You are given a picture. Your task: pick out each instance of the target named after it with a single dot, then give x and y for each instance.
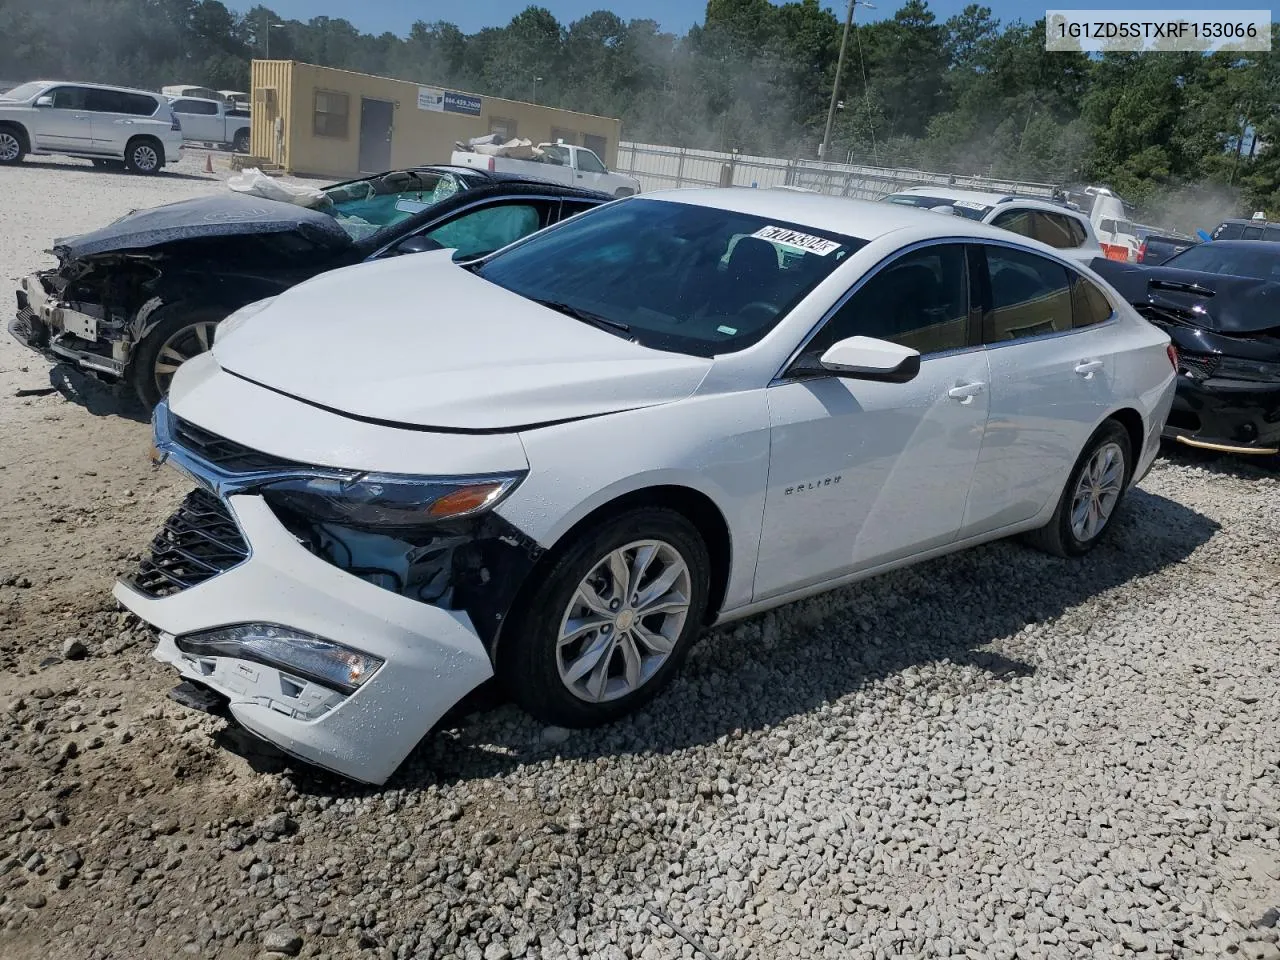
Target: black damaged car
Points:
(1219, 301)
(137, 298)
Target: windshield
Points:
(1260, 264)
(675, 276)
(24, 92)
(367, 207)
(963, 208)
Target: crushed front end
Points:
(1228, 393)
(326, 618)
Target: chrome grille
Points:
(223, 453)
(200, 541)
(1198, 366)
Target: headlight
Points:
(380, 502)
(1235, 368)
(313, 658)
(237, 319)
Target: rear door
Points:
(119, 115)
(67, 125)
(1049, 345)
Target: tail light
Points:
(174, 123)
(1173, 356)
(1142, 252)
(493, 165)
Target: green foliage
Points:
(1167, 130)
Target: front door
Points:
(376, 121)
(68, 124)
(861, 472)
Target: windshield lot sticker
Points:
(730, 331)
(969, 205)
(796, 240)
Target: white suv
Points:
(1057, 225)
(112, 126)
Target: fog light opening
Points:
(306, 656)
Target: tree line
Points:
(1184, 136)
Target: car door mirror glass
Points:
(418, 244)
(866, 358)
(45, 101)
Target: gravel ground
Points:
(993, 755)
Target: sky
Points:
(676, 16)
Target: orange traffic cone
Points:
(208, 163)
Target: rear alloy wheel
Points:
(11, 150)
(611, 621)
(144, 156)
(1092, 494)
(179, 336)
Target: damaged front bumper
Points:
(62, 331)
(1226, 415)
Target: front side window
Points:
(1019, 221)
(1229, 231)
(70, 98)
(331, 114)
(1056, 229)
(1030, 296)
(665, 271)
(588, 162)
(478, 232)
(920, 301)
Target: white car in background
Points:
(1066, 230)
(562, 462)
(112, 126)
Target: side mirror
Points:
(418, 244)
(45, 101)
(865, 358)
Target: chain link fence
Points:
(660, 167)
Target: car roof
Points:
(100, 86)
(1248, 222)
(989, 198)
(864, 219)
(1270, 246)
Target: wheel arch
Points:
(693, 504)
(1135, 426)
(24, 137)
(155, 140)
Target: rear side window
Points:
(1252, 233)
(1030, 296)
(487, 229)
(1271, 232)
(1089, 305)
(920, 301)
(1058, 230)
(1021, 222)
(120, 101)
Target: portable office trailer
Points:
(318, 121)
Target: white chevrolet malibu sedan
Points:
(562, 462)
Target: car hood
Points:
(418, 340)
(1217, 302)
(221, 215)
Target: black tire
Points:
(527, 652)
(170, 322)
(1057, 536)
(241, 142)
(13, 144)
(144, 155)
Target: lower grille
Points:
(200, 541)
(1198, 366)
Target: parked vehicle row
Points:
(219, 122)
(112, 126)
(399, 487)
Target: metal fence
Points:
(662, 168)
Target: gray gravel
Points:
(998, 754)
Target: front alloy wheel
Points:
(607, 619)
(623, 621)
(180, 332)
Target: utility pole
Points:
(835, 84)
(266, 34)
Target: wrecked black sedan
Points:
(139, 297)
(1220, 304)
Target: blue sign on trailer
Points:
(462, 103)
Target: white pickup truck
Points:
(212, 121)
(561, 162)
